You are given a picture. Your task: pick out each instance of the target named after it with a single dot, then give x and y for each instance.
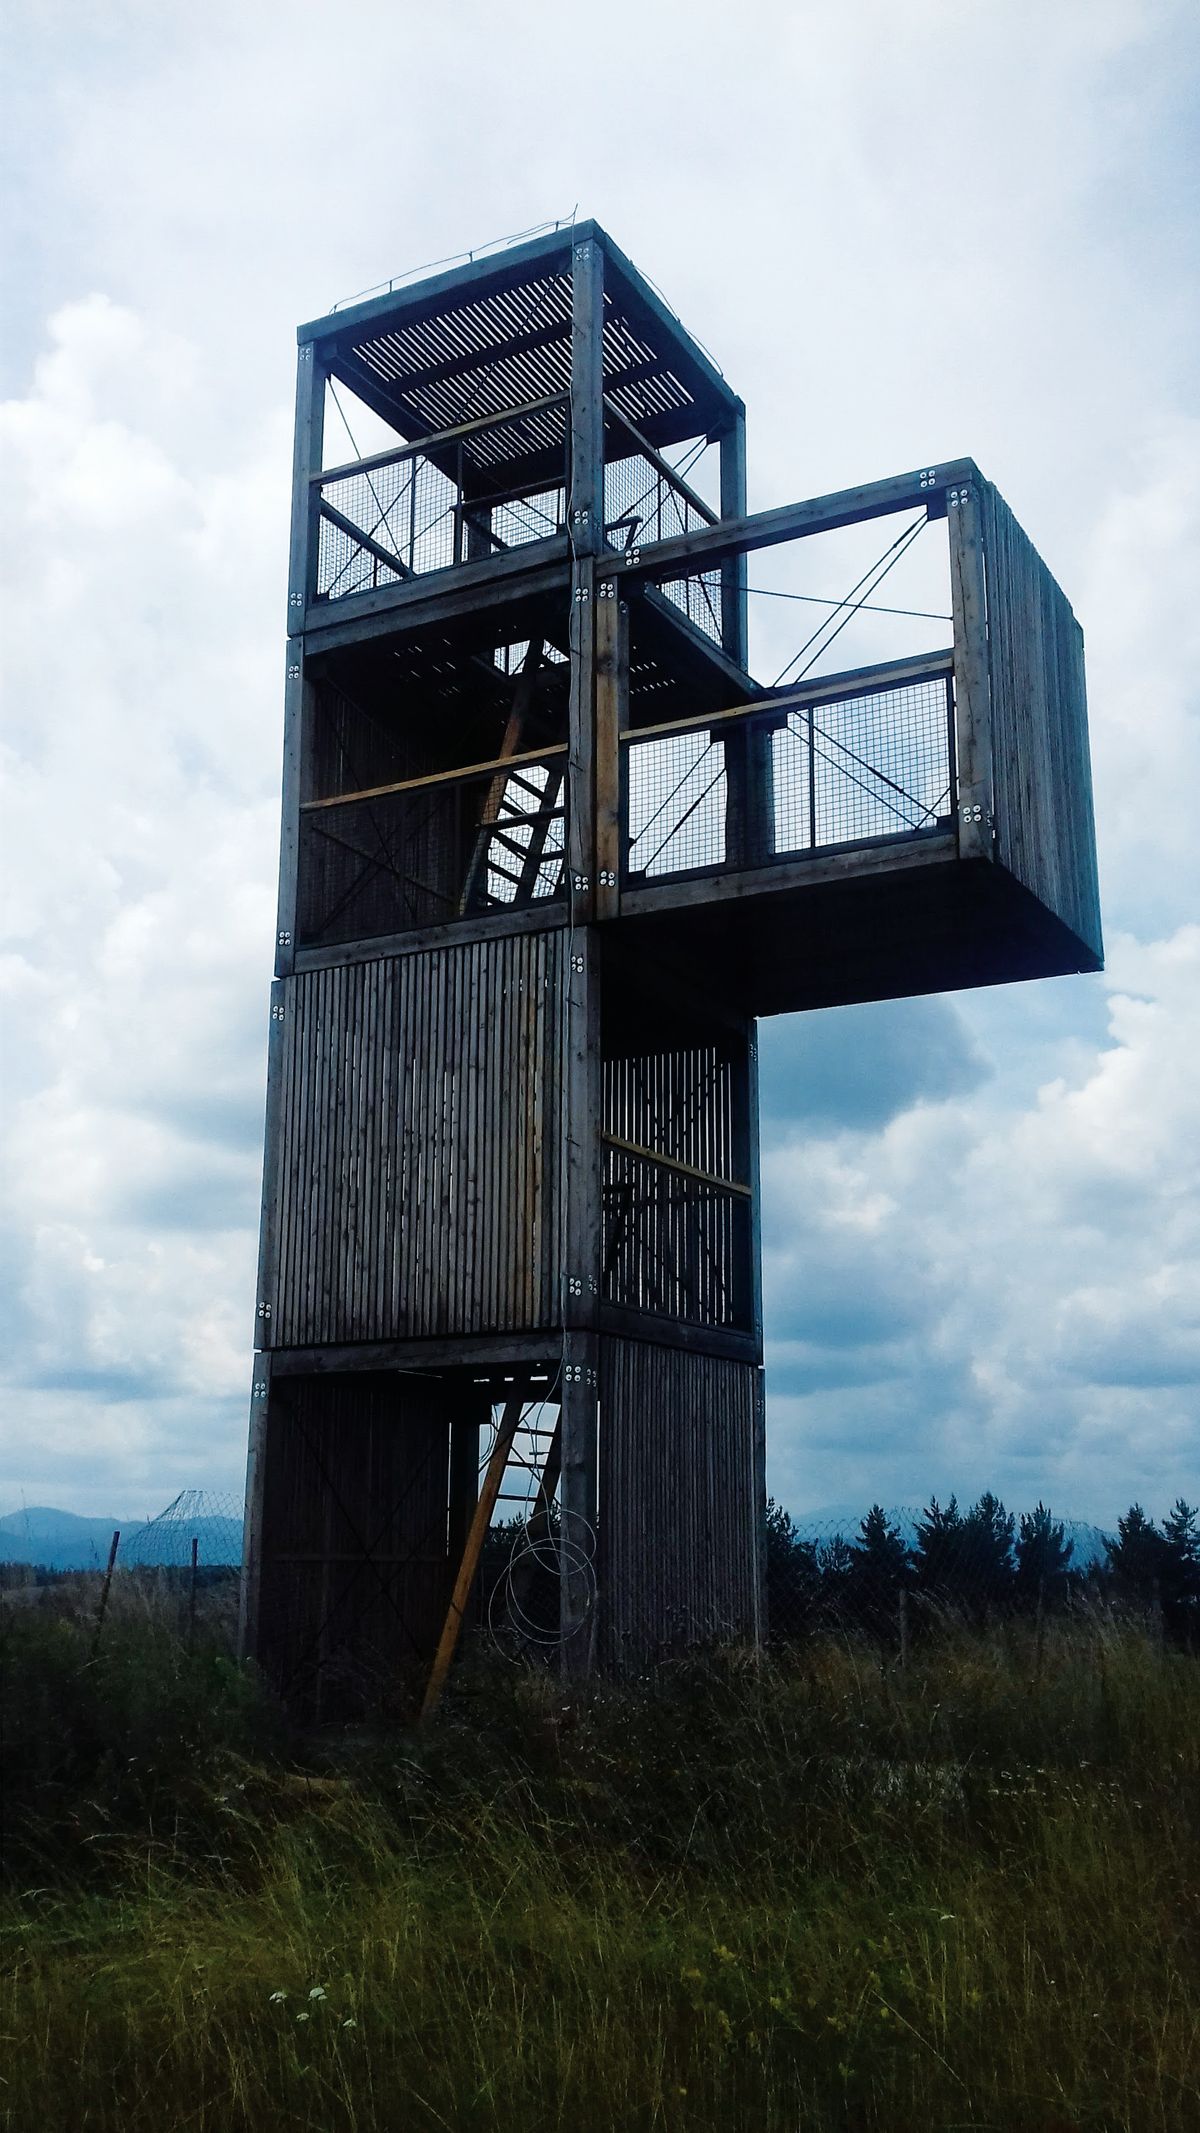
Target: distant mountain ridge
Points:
(51, 1539)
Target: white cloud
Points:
(900, 237)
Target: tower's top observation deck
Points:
(484, 339)
(529, 668)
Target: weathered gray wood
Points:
(439, 595)
(251, 1580)
(578, 1492)
(922, 849)
(686, 553)
(310, 417)
(972, 685)
(734, 627)
(612, 714)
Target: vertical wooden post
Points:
(734, 624)
(306, 498)
(249, 1603)
(578, 1496)
(972, 685)
(612, 710)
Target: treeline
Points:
(979, 1564)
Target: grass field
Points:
(807, 1895)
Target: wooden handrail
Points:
(500, 765)
(834, 688)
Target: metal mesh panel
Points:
(787, 780)
(450, 848)
(867, 767)
(676, 804)
(415, 516)
(642, 504)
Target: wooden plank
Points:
(282, 1000)
(498, 764)
(670, 1162)
(686, 553)
(480, 1520)
(972, 689)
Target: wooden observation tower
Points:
(548, 851)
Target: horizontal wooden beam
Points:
(501, 764)
(687, 553)
(365, 541)
(828, 689)
(444, 595)
(919, 848)
(671, 1162)
(487, 1353)
(439, 440)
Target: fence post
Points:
(104, 1591)
(192, 1592)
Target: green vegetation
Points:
(819, 1892)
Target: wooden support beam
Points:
(252, 1529)
(477, 1534)
(972, 682)
(687, 553)
(306, 461)
(363, 539)
(734, 623)
(612, 716)
(578, 1487)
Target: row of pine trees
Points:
(981, 1563)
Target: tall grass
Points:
(813, 1894)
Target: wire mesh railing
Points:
(813, 771)
(492, 485)
(647, 500)
(490, 838)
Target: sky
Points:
(905, 234)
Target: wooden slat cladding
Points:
(680, 1508)
(1041, 766)
(419, 1130)
(354, 1569)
